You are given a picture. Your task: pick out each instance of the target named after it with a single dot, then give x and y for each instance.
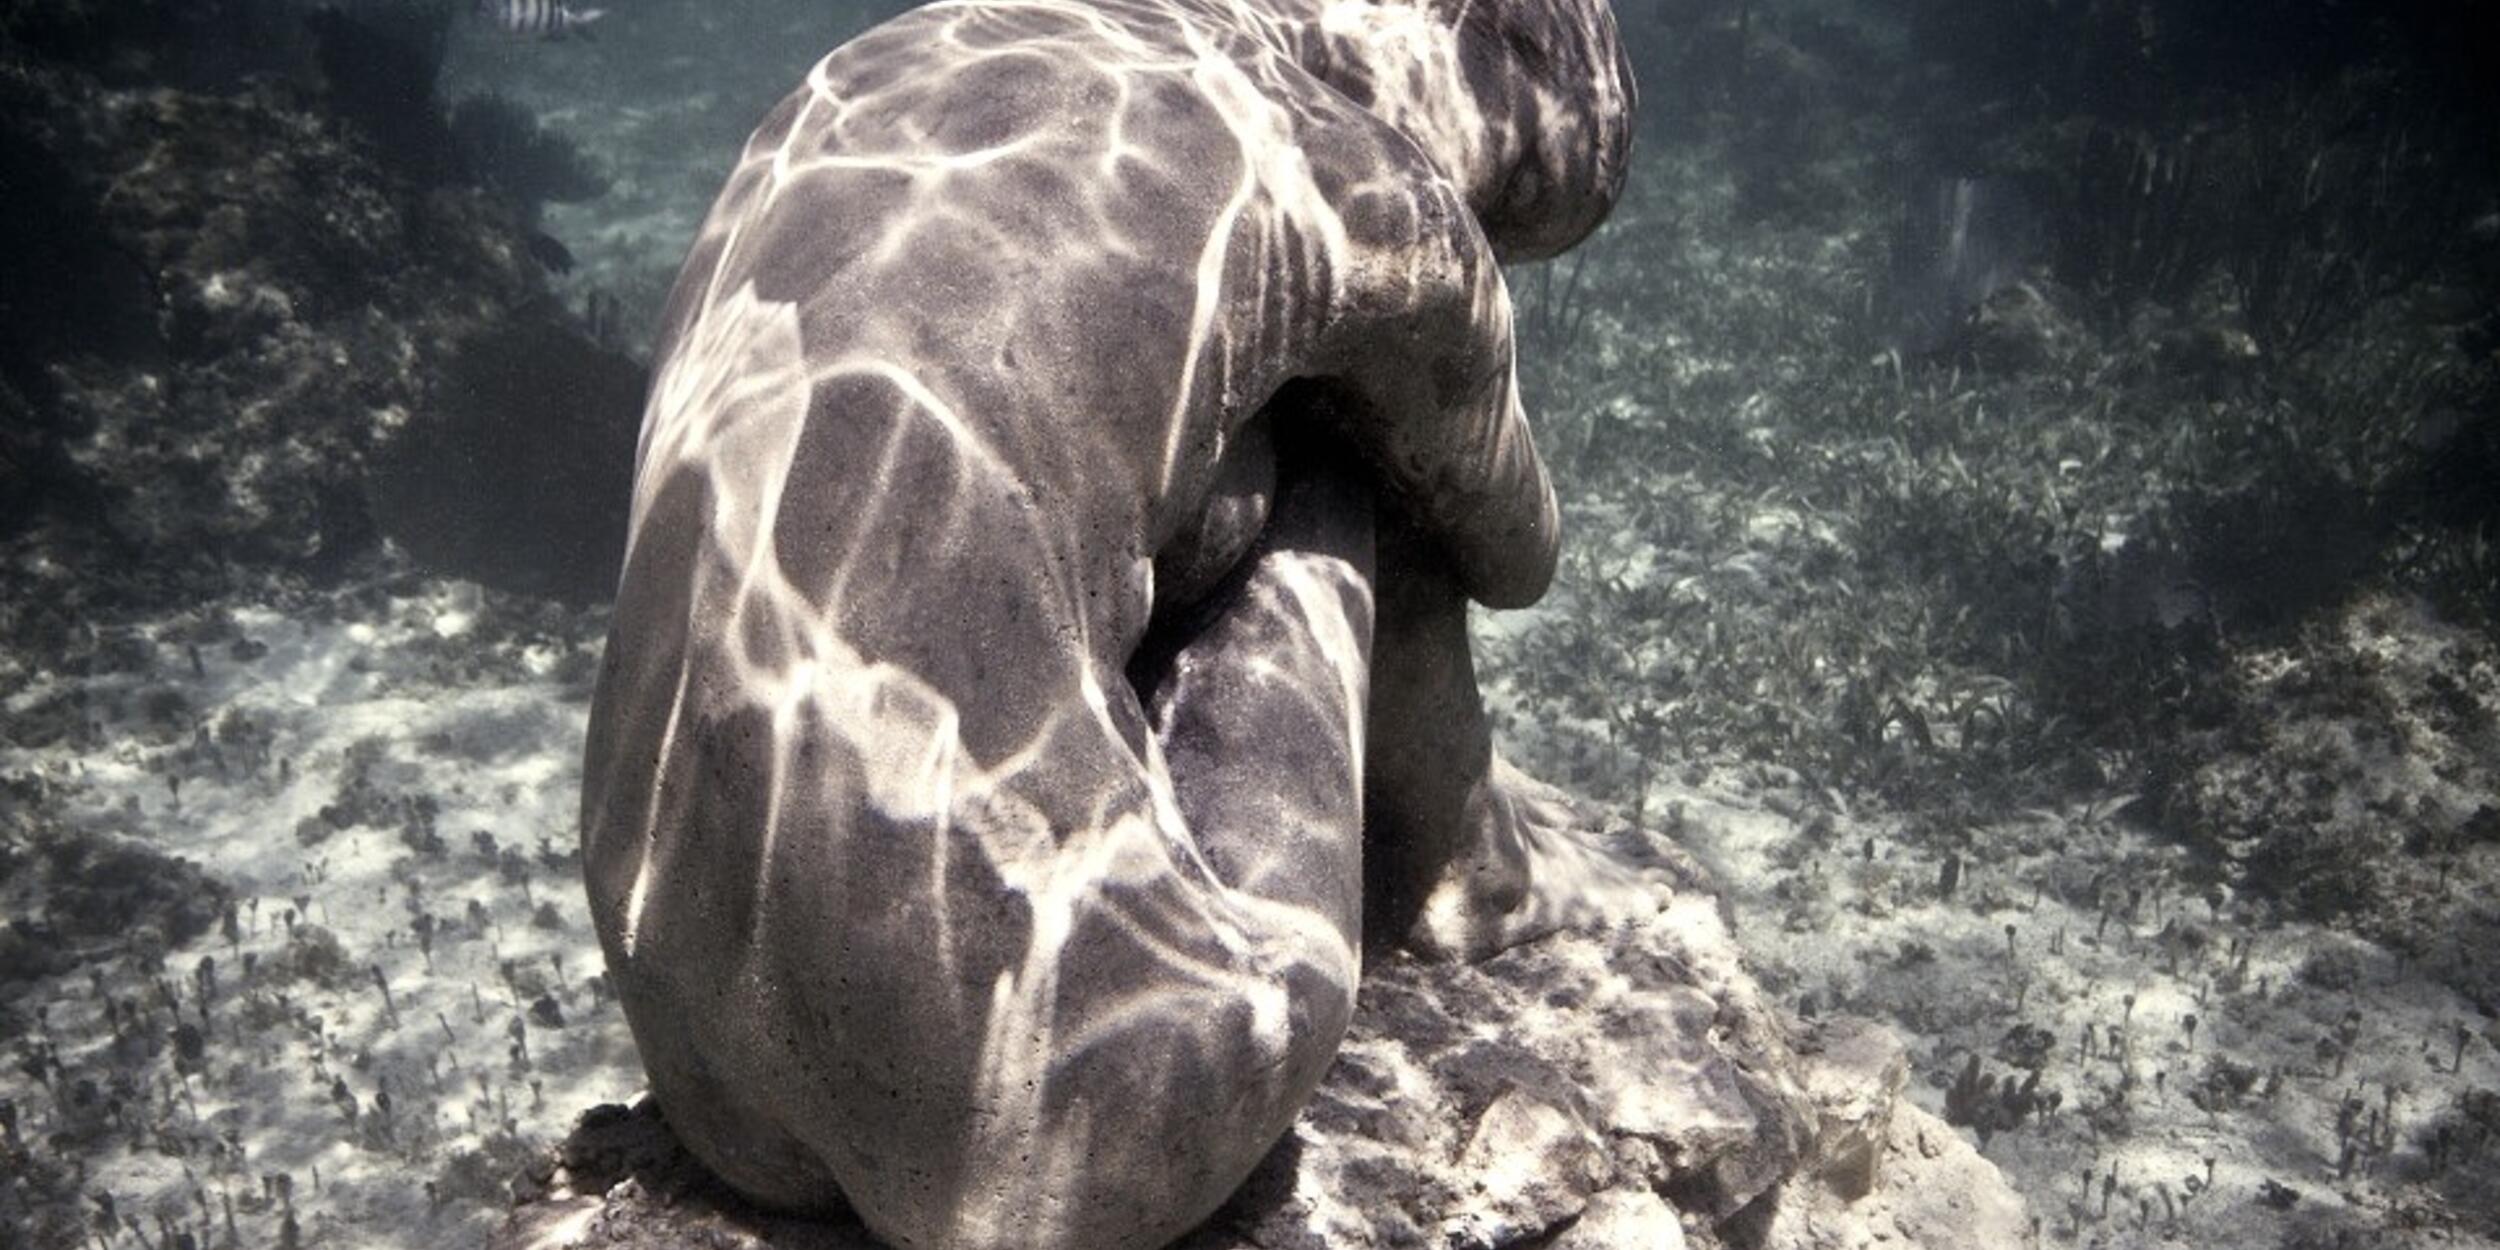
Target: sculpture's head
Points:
(1553, 74)
(1526, 104)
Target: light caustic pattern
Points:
(912, 899)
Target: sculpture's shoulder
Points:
(990, 188)
(1138, 99)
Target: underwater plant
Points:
(2331, 203)
(2135, 229)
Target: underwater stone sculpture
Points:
(1074, 439)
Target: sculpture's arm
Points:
(1421, 347)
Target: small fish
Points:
(549, 19)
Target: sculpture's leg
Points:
(1062, 999)
(1260, 714)
(1466, 854)
(1198, 1005)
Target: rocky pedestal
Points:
(1594, 1089)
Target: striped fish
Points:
(548, 19)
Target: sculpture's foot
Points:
(1532, 860)
(1463, 854)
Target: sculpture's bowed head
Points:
(1558, 94)
(1526, 105)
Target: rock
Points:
(621, 1179)
(1936, 1193)
(1598, 1088)
(1535, 1162)
(1624, 1217)
(76, 897)
(1881, 1170)
(1854, 1082)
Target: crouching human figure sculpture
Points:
(1075, 437)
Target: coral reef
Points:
(234, 308)
(518, 470)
